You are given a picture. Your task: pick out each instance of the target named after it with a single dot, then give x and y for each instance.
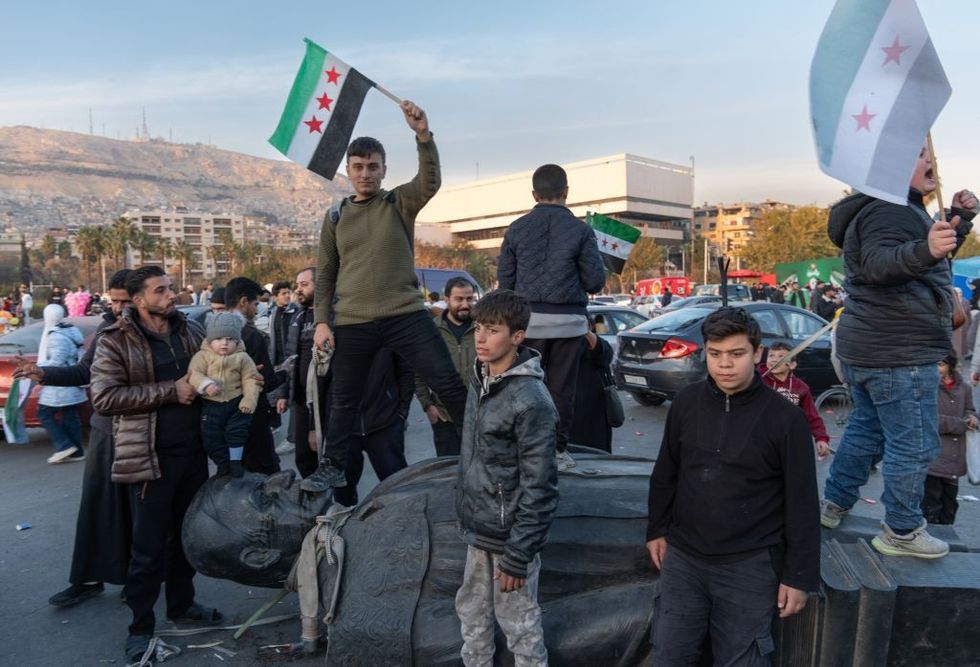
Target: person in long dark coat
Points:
(590, 427)
(103, 531)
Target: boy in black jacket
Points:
(733, 516)
(507, 489)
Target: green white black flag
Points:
(615, 240)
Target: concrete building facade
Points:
(728, 227)
(652, 195)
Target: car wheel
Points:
(647, 399)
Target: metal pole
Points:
(705, 260)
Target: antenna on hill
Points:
(90, 121)
(146, 131)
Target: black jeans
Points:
(385, 448)
(223, 427)
(734, 604)
(560, 358)
(416, 340)
(939, 502)
(158, 553)
(302, 424)
(446, 438)
(260, 448)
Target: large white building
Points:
(652, 195)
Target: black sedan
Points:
(660, 357)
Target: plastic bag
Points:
(973, 456)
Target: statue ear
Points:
(257, 558)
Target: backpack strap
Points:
(336, 209)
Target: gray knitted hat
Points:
(224, 325)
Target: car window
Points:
(621, 321)
(768, 322)
(802, 325)
(677, 320)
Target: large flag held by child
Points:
(321, 110)
(615, 239)
(876, 87)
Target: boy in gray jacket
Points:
(507, 489)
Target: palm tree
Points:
(143, 243)
(183, 252)
(89, 242)
(166, 249)
(120, 239)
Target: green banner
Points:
(824, 269)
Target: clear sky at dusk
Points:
(507, 85)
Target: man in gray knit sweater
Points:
(367, 292)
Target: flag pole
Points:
(935, 175)
(387, 93)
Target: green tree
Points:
(788, 236)
(119, 240)
(165, 249)
(183, 252)
(89, 240)
(646, 260)
(970, 247)
(48, 247)
(143, 243)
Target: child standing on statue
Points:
(224, 374)
(507, 489)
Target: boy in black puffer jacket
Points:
(507, 489)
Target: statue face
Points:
(250, 529)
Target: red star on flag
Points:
(863, 119)
(604, 243)
(325, 102)
(894, 52)
(315, 124)
(615, 246)
(333, 76)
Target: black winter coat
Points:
(507, 487)
(551, 257)
(898, 307)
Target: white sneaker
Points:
(564, 461)
(918, 543)
(58, 457)
(285, 447)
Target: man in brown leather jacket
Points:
(139, 377)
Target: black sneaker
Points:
(235, 468)
(198, 613)
(327, 475)
(136, 646)
(75, 594)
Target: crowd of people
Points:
(506, 382)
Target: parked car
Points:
(687, 302)
(646, 304)
(616, 319)
(736, 292)
(25, 342)
(658, 358)
(434, 280)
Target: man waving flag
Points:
(321, 110)
(876, 87)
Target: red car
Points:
(24, 342)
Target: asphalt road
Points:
(34, 563)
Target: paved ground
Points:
(34, 563)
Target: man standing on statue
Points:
(367, 292)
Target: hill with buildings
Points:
(50, 178)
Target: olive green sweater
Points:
(365, 266)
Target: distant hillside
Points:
(53, 178)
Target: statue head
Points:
(250, 529)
